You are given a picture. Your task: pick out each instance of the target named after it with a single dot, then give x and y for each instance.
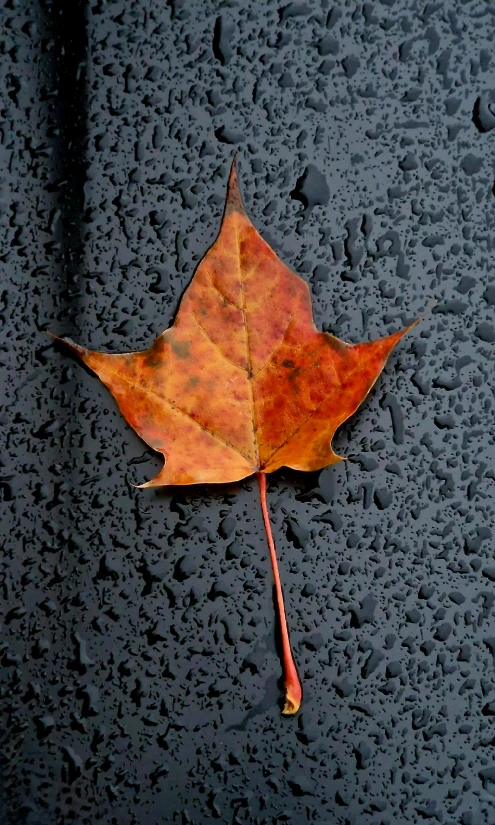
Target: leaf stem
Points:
(292, 684)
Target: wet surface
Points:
(138, 657)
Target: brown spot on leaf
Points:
(181, 349)
(153, 359)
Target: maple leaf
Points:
(243, 382)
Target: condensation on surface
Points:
(139, 669)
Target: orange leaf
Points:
(242, 382)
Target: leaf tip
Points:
(234, 199)
(68, 343)
(427, 311)
(145, 484)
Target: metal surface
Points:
(139, 664)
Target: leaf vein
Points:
(248, 350)
(265, 296)
(214, 343)
(183, 412)
(317, 409)
(274, 352)
(222, 296)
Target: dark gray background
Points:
(139, 678)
